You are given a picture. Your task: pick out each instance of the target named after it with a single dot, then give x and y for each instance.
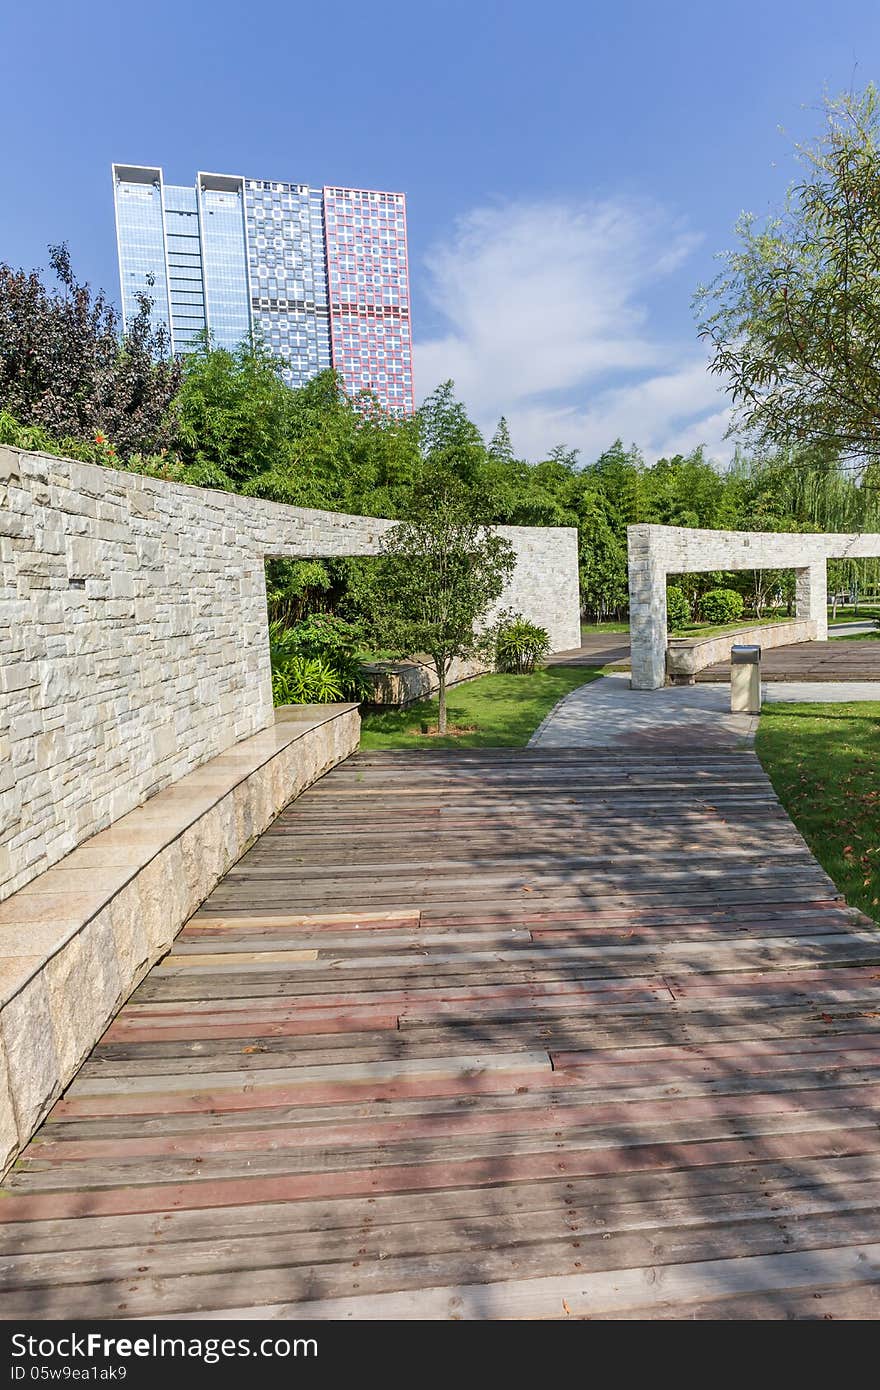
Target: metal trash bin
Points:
(745, 680)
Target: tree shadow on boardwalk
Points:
(580, 1033)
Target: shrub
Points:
(520, 646)
(327, 640)
(721, 606)
(67, 366)
(678, 610)
(306, 680)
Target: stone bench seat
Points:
(75, 941)
(685, 656)
(403, 682)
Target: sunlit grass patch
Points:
(496, 711)
(824, 762)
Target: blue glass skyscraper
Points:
(247, 257)
(140, 238)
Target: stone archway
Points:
(657, 551)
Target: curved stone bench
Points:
(78, 939)
(402, 682)
(685, 656)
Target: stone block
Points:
(84, 988)
(9, 1137)
(28, 1042)
(82, 557)
(19, 675)
(10, 465)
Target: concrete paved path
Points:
(820, 692)
(608, 713)
(851, 629)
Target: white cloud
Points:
(547, 324)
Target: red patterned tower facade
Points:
(368, 292)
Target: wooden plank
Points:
(657, 1220)
(365, 1182)
(380, 921)
(591, 1295)
(600, 1203)
(557, 1120)
(142, 1295)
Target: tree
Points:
(66, 367)
(501, 445)
(439, 574)
(233, 421)
(448, 439)
(793, 320)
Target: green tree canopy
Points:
(439, 574)
(793, 320)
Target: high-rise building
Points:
(319, 276)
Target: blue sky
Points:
(571, 168)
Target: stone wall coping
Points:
(37, 921)
(685, 643)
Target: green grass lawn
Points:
(855, 636)
(718, 629)
(612, 625)
(824, 761)
(845, 615)
(504, 710)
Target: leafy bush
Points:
(306, 680)
(721, 606)
(294, 587)
(67, 366)
(321, 634)
(678, 610)
(520, 646)
(324, 642)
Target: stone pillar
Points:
(811, 597)
(647, 612)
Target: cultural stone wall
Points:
(133, 635)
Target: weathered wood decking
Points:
(811, 661)
(483, 1034)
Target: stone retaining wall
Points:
(133, 635)
(77, 941)
(397, 683)
(686, 655)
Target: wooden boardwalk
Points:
(811, 661)
(483, 1034)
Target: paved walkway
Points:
(852, 629)
(609, 714)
